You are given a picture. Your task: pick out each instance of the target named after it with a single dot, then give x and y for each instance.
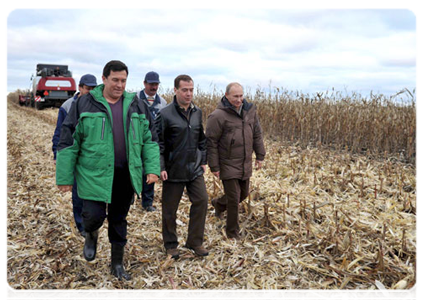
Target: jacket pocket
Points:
(137, 128)
(230, 147)
(228, 144)
(182, 164)
(133, 129)
(95, 127)
(96, 140)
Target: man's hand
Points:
(259, 164)
(152, 178)
(217, 174)
(163, 175)
(204, 168)
(65, 188)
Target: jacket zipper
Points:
(188, 119)
(245, 154)
(102, 128)
(127, 152)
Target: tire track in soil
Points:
(39, 218)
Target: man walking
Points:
(86, 84)
(233, 132)
(183, 163)
(107, 139)
(155, 103)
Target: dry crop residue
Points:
(315, 219)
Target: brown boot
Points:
(217, 212)
(173, 252)
(199, 250)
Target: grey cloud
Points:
(305, 48)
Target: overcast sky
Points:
(308, 50)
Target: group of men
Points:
(110, 144)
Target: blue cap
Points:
(88, 80)
(152, 77)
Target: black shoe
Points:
(117, 268)
(150, 208)
(90, 246)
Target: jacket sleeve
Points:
(56, 136)
(160, 129)
(150, 151)
(71, 134)
(213, 134)
(258, 144)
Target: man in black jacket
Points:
(183, 162)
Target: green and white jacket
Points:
(86, 147)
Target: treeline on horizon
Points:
(377, 124)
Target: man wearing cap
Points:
(86, 84)
(155, 103)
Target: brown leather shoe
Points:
(217, 212)
(199, 250)
(173, 252)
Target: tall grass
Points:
(377, 124)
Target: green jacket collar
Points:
(97, 93)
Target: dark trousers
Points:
(77, 207)
(171, 196)
(147, 192)
(94, 212)
(236, 191)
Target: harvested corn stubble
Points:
(316, 219)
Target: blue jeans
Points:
(147, 192)
(77, 204)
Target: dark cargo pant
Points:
(94, 212)
(171, 196)
(236, 191)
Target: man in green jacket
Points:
(107, 139)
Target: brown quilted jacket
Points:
(232, 139)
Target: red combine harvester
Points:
(52, 85)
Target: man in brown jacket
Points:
(233, 132)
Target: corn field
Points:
(375, 125)
(333, 208)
